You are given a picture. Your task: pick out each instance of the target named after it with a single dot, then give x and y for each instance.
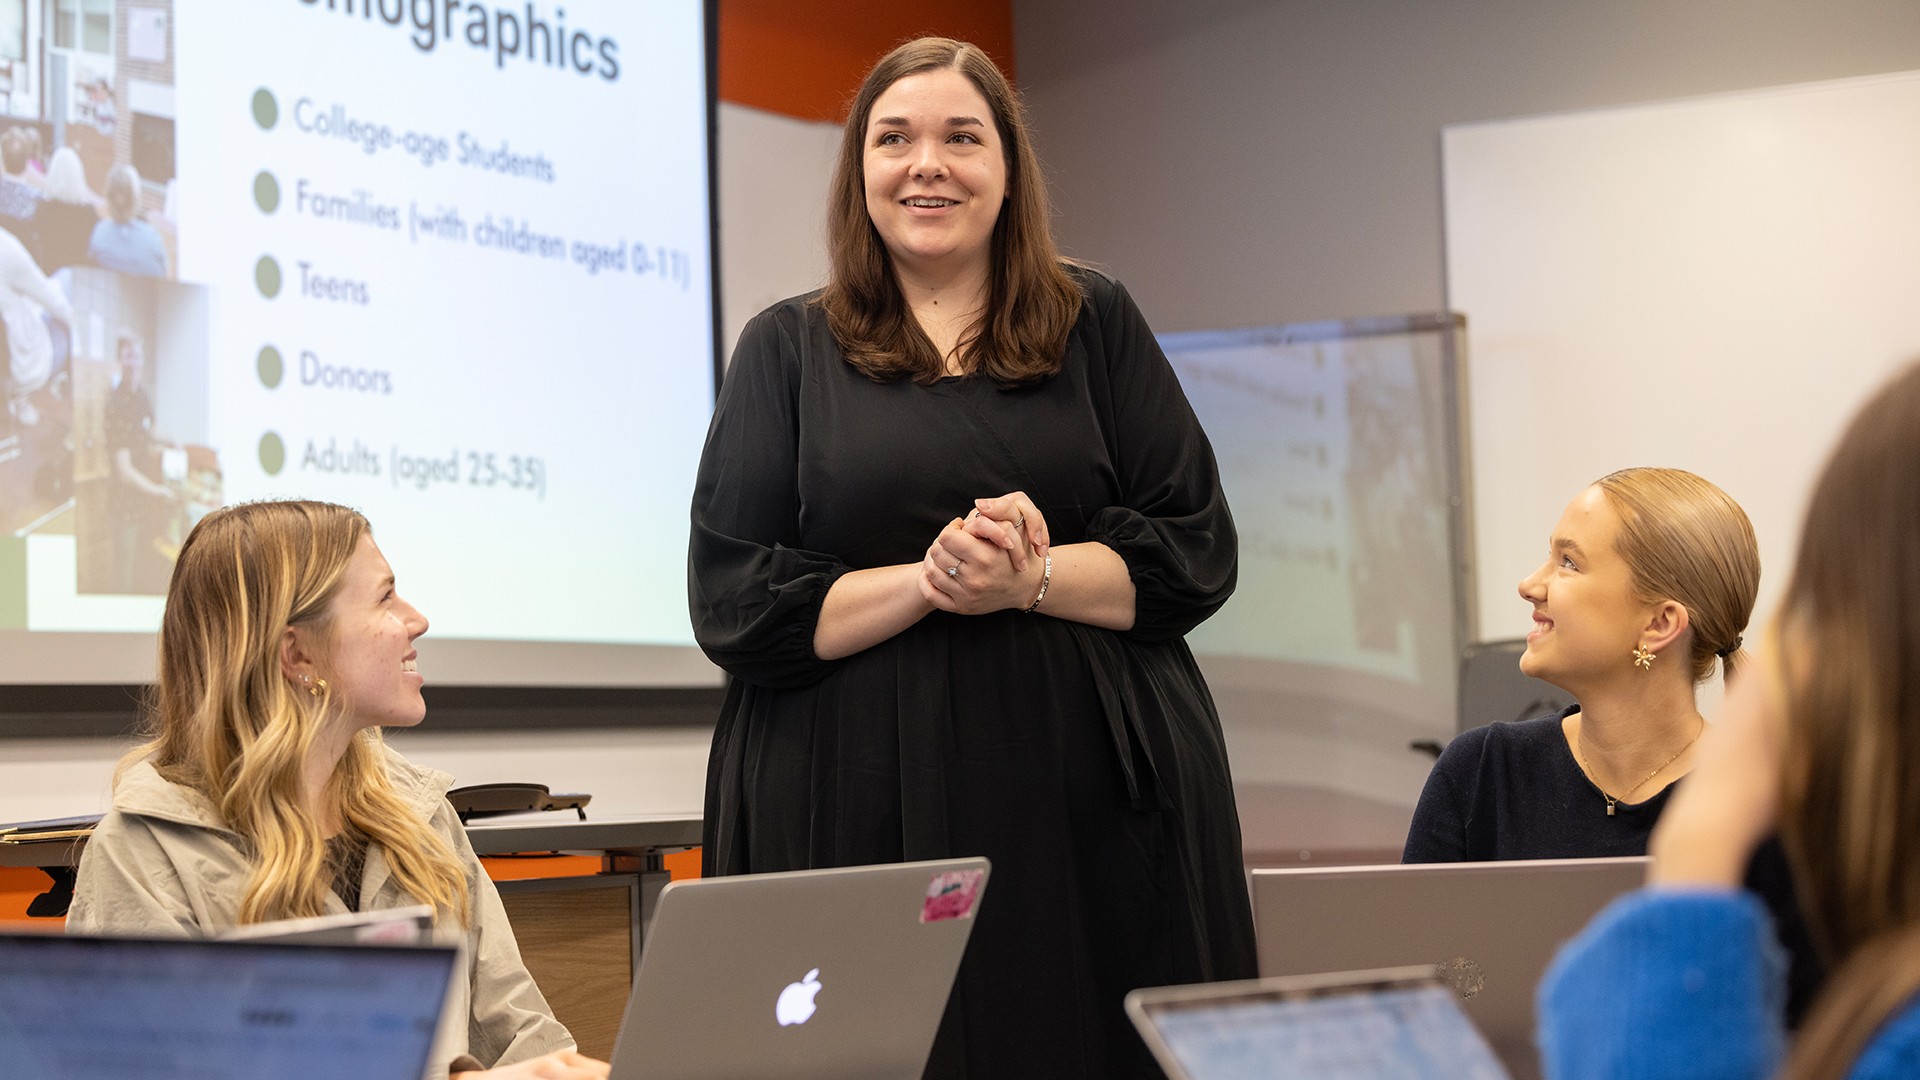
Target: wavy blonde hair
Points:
(1686, 540)
(1849, 628)
(228, 724)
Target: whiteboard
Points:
(1712, 284)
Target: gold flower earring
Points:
(1643, 658)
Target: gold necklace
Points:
(1628, 794)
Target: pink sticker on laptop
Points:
(950, 895)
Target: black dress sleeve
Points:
(754, 594)
(1172, 527)
(1441, 829)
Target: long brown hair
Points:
(1686, 540)
(1031, 301)
(1849, 632)
(227, 723)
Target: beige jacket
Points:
(161, 863)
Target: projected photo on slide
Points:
(86, 133)
(143, 473)
(460, 281)
(101, 488)
(36, 423)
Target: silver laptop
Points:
(809, 975)
(1490, 927)
(381, 926)
(106, 1008)
(1393, 1024)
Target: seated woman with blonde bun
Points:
(1648, 584)
(266, 792)
(1649, 580)
(1820, 742)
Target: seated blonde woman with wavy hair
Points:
(266, 791)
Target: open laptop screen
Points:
(1368, 1030)
(81, 1008)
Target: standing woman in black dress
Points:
(953, 518)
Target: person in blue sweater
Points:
(1820, 742)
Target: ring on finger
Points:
(953, 571)
(1020, 522)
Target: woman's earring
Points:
(320, 685)
(1643, 658)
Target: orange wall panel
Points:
(682, 865)
(18, 887)
(806, 60)
(524, 867)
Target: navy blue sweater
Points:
(1514, 791)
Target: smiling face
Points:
(935, 172)
(1587, 618)
(373, 663)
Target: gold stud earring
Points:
(319, 686)
(1643, 658)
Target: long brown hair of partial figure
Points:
(1849, 647)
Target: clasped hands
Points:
(990, 560)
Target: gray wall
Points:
(1244, 163)
(1240, 163)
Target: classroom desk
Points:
(581, 936)
(626, 844)
(643, 836)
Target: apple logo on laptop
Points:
(796, 1001)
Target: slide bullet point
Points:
(273, 454)
(266, 274)
(270, 367)
(266, 192)
(266, 111)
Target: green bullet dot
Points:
(266, 111)
(273, 454)
(266, 192)
(270, 367)
(266, 274)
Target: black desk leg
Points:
(54, 903)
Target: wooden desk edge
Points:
(636, 837)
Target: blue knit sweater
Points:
(1673, 983)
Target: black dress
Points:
(1087, 764)
(1514, 791)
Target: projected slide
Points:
(1333, 453)
(446, 262)
(1338, 452)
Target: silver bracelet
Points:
(1046, 579)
